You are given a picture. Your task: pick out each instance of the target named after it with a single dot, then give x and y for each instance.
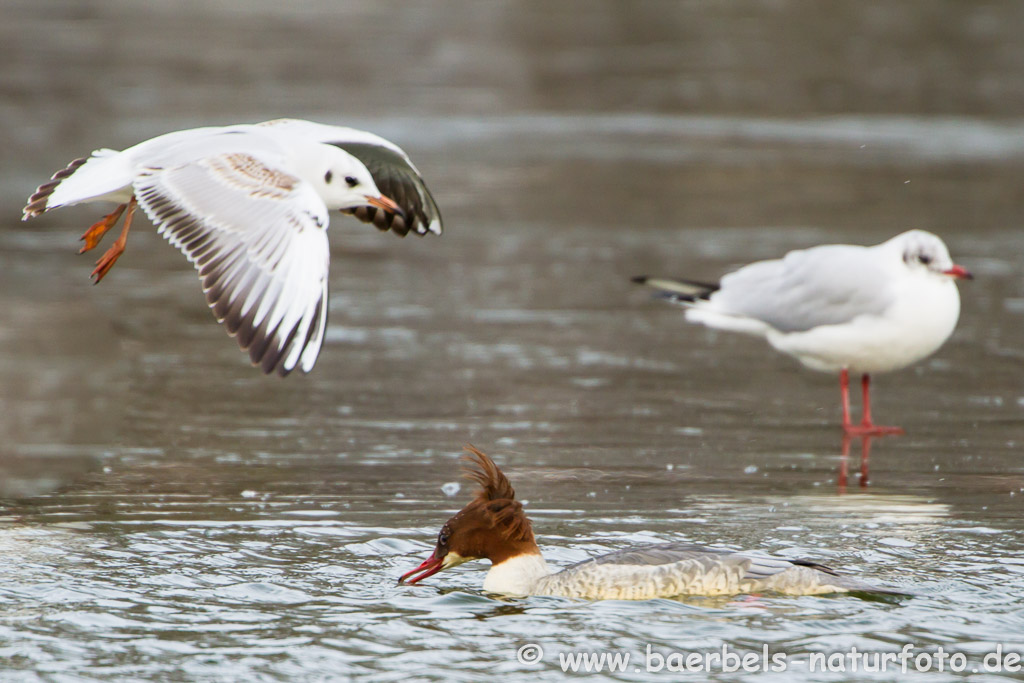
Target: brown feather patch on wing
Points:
(496, 497)
(252, 175)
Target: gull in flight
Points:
(249, 207)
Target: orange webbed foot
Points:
(871, 430)
(95, 233)
(106, 262)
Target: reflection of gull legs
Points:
(844, 457)
(866, 426)
(844, 460)
(865, 451)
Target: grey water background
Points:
(168, 513)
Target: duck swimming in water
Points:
(494, 526)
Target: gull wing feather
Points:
(826, 285)
(396, 177)
(257, 235)
(393, 172)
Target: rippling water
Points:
(169, 513)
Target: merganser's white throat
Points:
(494, 526)
(518, 575)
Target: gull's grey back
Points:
(825, 285)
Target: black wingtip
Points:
(639, 279)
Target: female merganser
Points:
(838, 308)
(494, 526)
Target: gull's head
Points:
(492, 526)
(924, 252)
(343, 182)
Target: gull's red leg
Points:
(95, 233)
(867, 425)
(108, 259)
(844, 392)
(865, 386)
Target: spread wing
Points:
(257, 235)
(396, 177)
(392, 171)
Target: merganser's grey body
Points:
(675, 569)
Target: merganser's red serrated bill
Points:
(429, 567)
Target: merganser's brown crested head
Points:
(492, 526)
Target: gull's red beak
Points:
(958, 272)
(430, 566)
(385, 203)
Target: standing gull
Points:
(248, 206)
(838, 308)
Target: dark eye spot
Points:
(442, 539)
(924, 258)
(328, 176)
(351, 180)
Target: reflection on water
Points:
(844, 462)
(170, 512)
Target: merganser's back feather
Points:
(686, 569)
